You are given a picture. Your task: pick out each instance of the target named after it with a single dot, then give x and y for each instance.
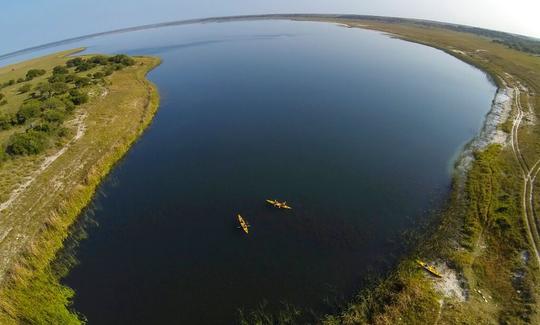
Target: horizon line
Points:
(218, 19)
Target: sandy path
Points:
(79, 123)
(529, 176)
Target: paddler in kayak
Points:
(243, 224)
(279, 205)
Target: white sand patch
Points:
(450, 285)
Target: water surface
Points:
(355, 129)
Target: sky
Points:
(33, 22)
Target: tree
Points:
(122, 59)
(52, 103)
(24, 88)
(60, 70)
(59, 88)
(74, 62)
(82, 81)
(32, 73)
(28, 110)
(6, 121)
(28, 143)
(77, 97)
(99, 59)
(54, 116)
(44, 90)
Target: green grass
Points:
(481, 233)
(31, 292)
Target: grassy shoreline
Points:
(32, 292)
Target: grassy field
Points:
(35, 225)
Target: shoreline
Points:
(33, 264)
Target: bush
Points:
(28, 110)
(84, 66)
(60, 70)
(99, 59)
(59, 88)
(3, 102)
(20, 80)
(2, 96)
(8, 83)
(98, 75)
(52, 103)
(122, 59)
(74, 62)
(54, 116)
(32, 73)
(82, 81)
(57, 78)
(6, 121)
(44, 90)
(29, 143)
(24, 88)
(77, 97)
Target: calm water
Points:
(356, 130)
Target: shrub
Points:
(28, 110)
(59, 88)
(2, 96)
(122, 59)
(57, 78)
(24, 88)
(32, 73)
(52, 103)
(6, 121)
(84, 66)
(77, 97)
(28, 143)
(44, 90)
(82, 81)
(98, 75)
(54, 116)
(3, 102)
(20, 80)
(74, 62)
(98, 59)
(60, 70)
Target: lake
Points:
(357, 131)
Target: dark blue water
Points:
(357, 131)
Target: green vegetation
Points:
(45, 109)
(86, 127)
(480, 237)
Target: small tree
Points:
(24, 88)
(32, 73)
(77, 97)
(59, 88)
(28, 110)
(59, 69)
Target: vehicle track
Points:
(529, 176)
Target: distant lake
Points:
(357, 131)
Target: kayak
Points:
(429, 268)
(243, 224)
(279, 205)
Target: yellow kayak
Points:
(279, 205)
(243, 224)
(429, 268)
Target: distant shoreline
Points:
(247, 18)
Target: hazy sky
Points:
(32, 22)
